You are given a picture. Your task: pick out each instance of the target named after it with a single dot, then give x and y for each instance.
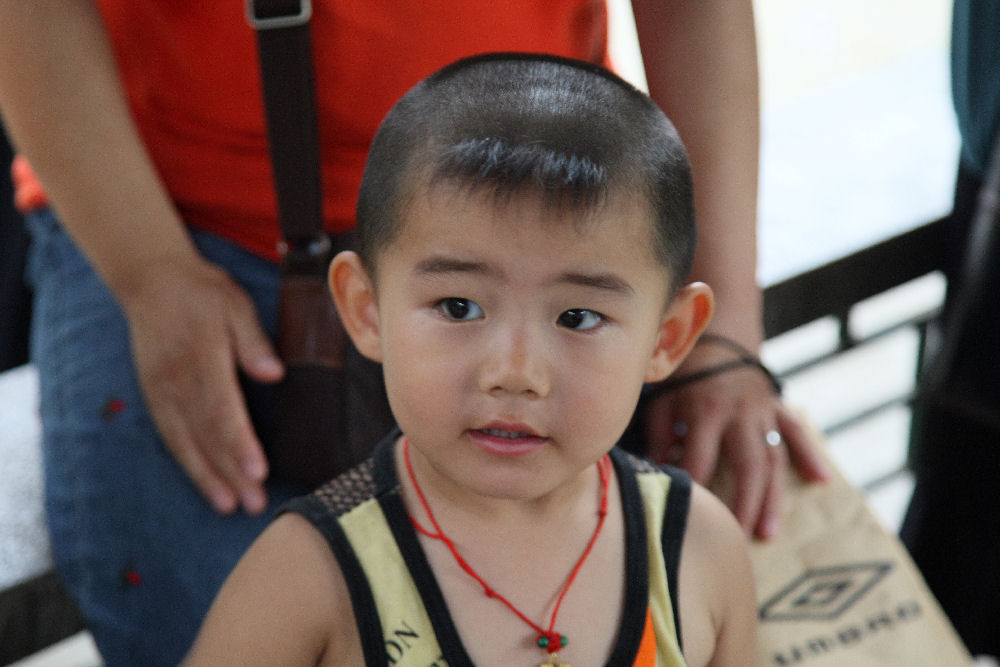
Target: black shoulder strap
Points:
(362, 600)
(672, 536)
(323, 508)
(284, 45)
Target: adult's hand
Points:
(701, 65)
(63, 103)
(723, 420)
(192, 329)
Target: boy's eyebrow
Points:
(608, 282)
(602, 281)
(434, 265)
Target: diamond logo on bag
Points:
(824, 594)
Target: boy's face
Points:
(515, 342)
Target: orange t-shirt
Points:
(191, 73)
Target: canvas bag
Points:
(835, 588)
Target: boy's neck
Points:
(460, 504)
(526, 551)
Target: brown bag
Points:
(330, 409)
(834, 589)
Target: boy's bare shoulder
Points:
(712, 527)
(717, 593)
(286, 602)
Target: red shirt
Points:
(190, 70)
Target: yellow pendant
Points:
(554, 662)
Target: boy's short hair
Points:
(569, 130)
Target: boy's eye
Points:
(580, 319)
(460, 309)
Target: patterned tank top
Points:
(400, 611)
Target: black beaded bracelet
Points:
(745, 358)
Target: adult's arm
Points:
(701, 68)
(191, 326)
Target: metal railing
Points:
(833, 290)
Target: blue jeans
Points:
(139, 550)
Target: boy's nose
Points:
(515, 363)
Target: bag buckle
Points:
(260, 19)
(308, 256)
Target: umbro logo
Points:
(824, 594)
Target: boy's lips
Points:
(507, 439)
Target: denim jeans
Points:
(138, 548)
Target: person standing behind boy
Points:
(525, 229)
(953, 518)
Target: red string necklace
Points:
(547, 640)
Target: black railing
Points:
(833, 290)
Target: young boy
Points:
(525, 226)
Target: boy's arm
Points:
(286, 603)
(701, 67)
(718, 600)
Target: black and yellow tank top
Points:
(400, 610)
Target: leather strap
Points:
(284, 46)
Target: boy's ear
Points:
(354, 294)
(685, 319)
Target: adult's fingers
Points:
(752, 463)
(662, 443)
(254, 352)
(202, 473)
(804, 449)
(768, 521)
(185, 349)
(201, 417)
(704, 427)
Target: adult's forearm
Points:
(64, 107)
(701, 67)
